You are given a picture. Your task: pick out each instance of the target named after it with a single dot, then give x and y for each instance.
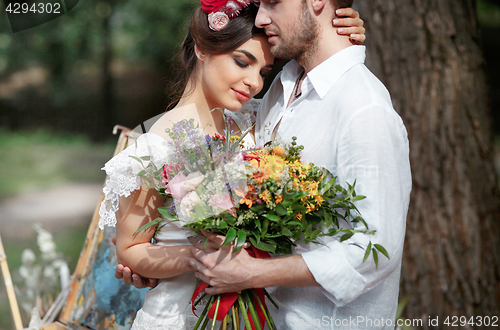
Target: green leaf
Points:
(265, 226)
(298, 208)
(257, 235)
(368, 250)
(222, 225)
(346, 236)
(137, 158)
(148, 225)
(166, 213)
(257, 208)
(281, 210)
(266, 247)
(286, 231)
(375, 257)
(258, 225)
(230, 237)
(315, 233)
(241, 239)
(308, 231)
(382, 250)
(272, 217)
(358, 198)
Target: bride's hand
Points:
(350, 24)
(125, 273)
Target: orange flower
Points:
(278, 151)
(298, 216)
(247, 201)
(279, 199)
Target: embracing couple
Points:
(342, 115)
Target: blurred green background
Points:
(66, 83)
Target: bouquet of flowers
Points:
(264, 196)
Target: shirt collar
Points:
(326, 74)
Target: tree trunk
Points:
(427, 54)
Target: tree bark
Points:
(427, 54)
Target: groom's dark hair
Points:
(342, 3)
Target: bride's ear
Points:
(199, 54)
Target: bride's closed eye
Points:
(240, 63)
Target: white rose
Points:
(192, 181)
(188, 203)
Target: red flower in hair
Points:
(211, 6)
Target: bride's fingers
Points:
(153, 282)
(119, 272)
(139, 283)
(351, 30)
(357, 39)
(350, 23)
(349, 12)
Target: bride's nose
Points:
(253, 80)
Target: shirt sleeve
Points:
(373, 151)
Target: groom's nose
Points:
(263, 16)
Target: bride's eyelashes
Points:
(241, 63)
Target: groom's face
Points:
(290, 27)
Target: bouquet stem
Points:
(265, 311)
(245, 316)
(245, 304)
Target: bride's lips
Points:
(242, 96)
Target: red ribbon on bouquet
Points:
(227, 299)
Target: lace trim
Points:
(144, 321)
(122, 173)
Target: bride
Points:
(225, 61)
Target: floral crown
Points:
(219, 11)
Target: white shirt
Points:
(346, 123)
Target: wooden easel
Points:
(10, 288)
(93, 284)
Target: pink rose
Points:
(175, 186)
(218, 20)
(223, 201)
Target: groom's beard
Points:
(300, 42)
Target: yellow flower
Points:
(273, 167)
(298, 216)
(265, 196)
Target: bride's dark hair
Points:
(237, 32)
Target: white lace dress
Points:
(167, 306)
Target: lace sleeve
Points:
(122, 173)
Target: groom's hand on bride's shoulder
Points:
(349, 23)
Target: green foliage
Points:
(39, 159)
(488, 13)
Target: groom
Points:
(343, 115)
